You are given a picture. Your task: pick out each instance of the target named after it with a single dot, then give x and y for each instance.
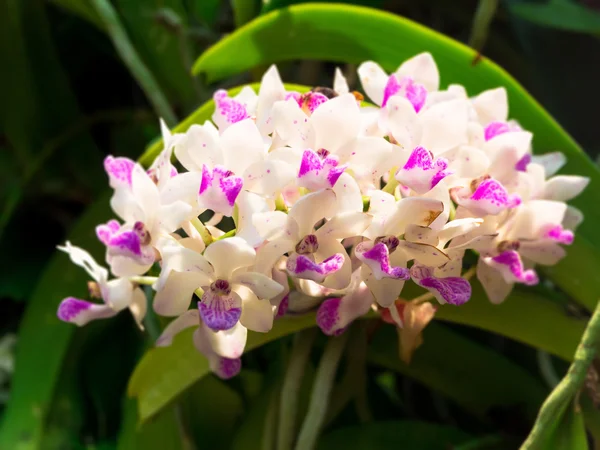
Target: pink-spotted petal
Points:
(373, 79)
(301, 266)
(489, 198)
(80, 312)
(219, 190)
(335, 314)
(341, 114)
(511, 267)
(453, 290)
(422, 172)
(119, 171)
(494, 285)
(227, 110)
(422, 69)
(377, 257)
(316, 173)
(494, 129)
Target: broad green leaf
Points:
(158, 434)
(165, 372)
(244, 11)
(474, 376)
(157, 29)
(206, 11)
(565, 15)
(43, 339)
(82, 9)
(523, 316)
(271, 5)
(211, 410)
(411, 435)
(354, 34)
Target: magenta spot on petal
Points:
(71, 307)
(493, 192)
(415, 93)
(494, 129)
(522, 164)
(304, 267)
(206, 179)
(454, 290)
(392, 87)
(318, 173)
(420, 158)
(559, 234)
(328, 317)
(512, 261)
(283, 306)
(380, 254)
(228, 368)
(119, 169)
(314, 100)
(310, 162)
(106, 230)
(127, 242)
(233, 110)
(422, 172)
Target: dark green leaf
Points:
(562, 14)
(472, 375)
(401, 434)
(165, 372)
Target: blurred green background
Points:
(68, 99)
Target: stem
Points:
(143, 280)
(201, 229)
(150, 320)
(566, 390)
(132, 60)
(481, 23)
(290, 391)
(319, 398)
(392, 183)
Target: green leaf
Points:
(244, 11)
(354, 34)
(43, 339)
(82, 9)
(158, 434)
(523, 316)
(206, 11)
(411, 435)
(469, 373)
(565, 15)
(212, 409)
(165, 372)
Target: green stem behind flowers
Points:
(288, 406)
(566, 391)
(132, 60)
(319, 398)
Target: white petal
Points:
(173, 215)
(563, 188)
(416, 210)
(458, 227)
(271, 224)
(573, 218)
(340, 114)
(348, 195)
(175, 296)
(421, 235)
(228, 343)
(292, 125)
(467, 162)
(422, 69)
(493, 283)
(183, 187)
(340, 85)
(257, 314)
(242, 145)
(80, 312)
(118, 293)
(387, 290)
(145, 193)
(138, 306)
(228, 255)
(268, 177)
(373, 79)
(491, 106)
(444, 125)
(344, 226)
(424, 254)
(366, 156)
(124, 266)
(271, 90)
(270, 253)
(543, 252)
(534, 217)
(402, 121)
(551, 162)
(311, 208)
(199, 146)
(249, 206)
(263, 286)
(83, 259)
(188, 319)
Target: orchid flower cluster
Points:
(336, 203)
